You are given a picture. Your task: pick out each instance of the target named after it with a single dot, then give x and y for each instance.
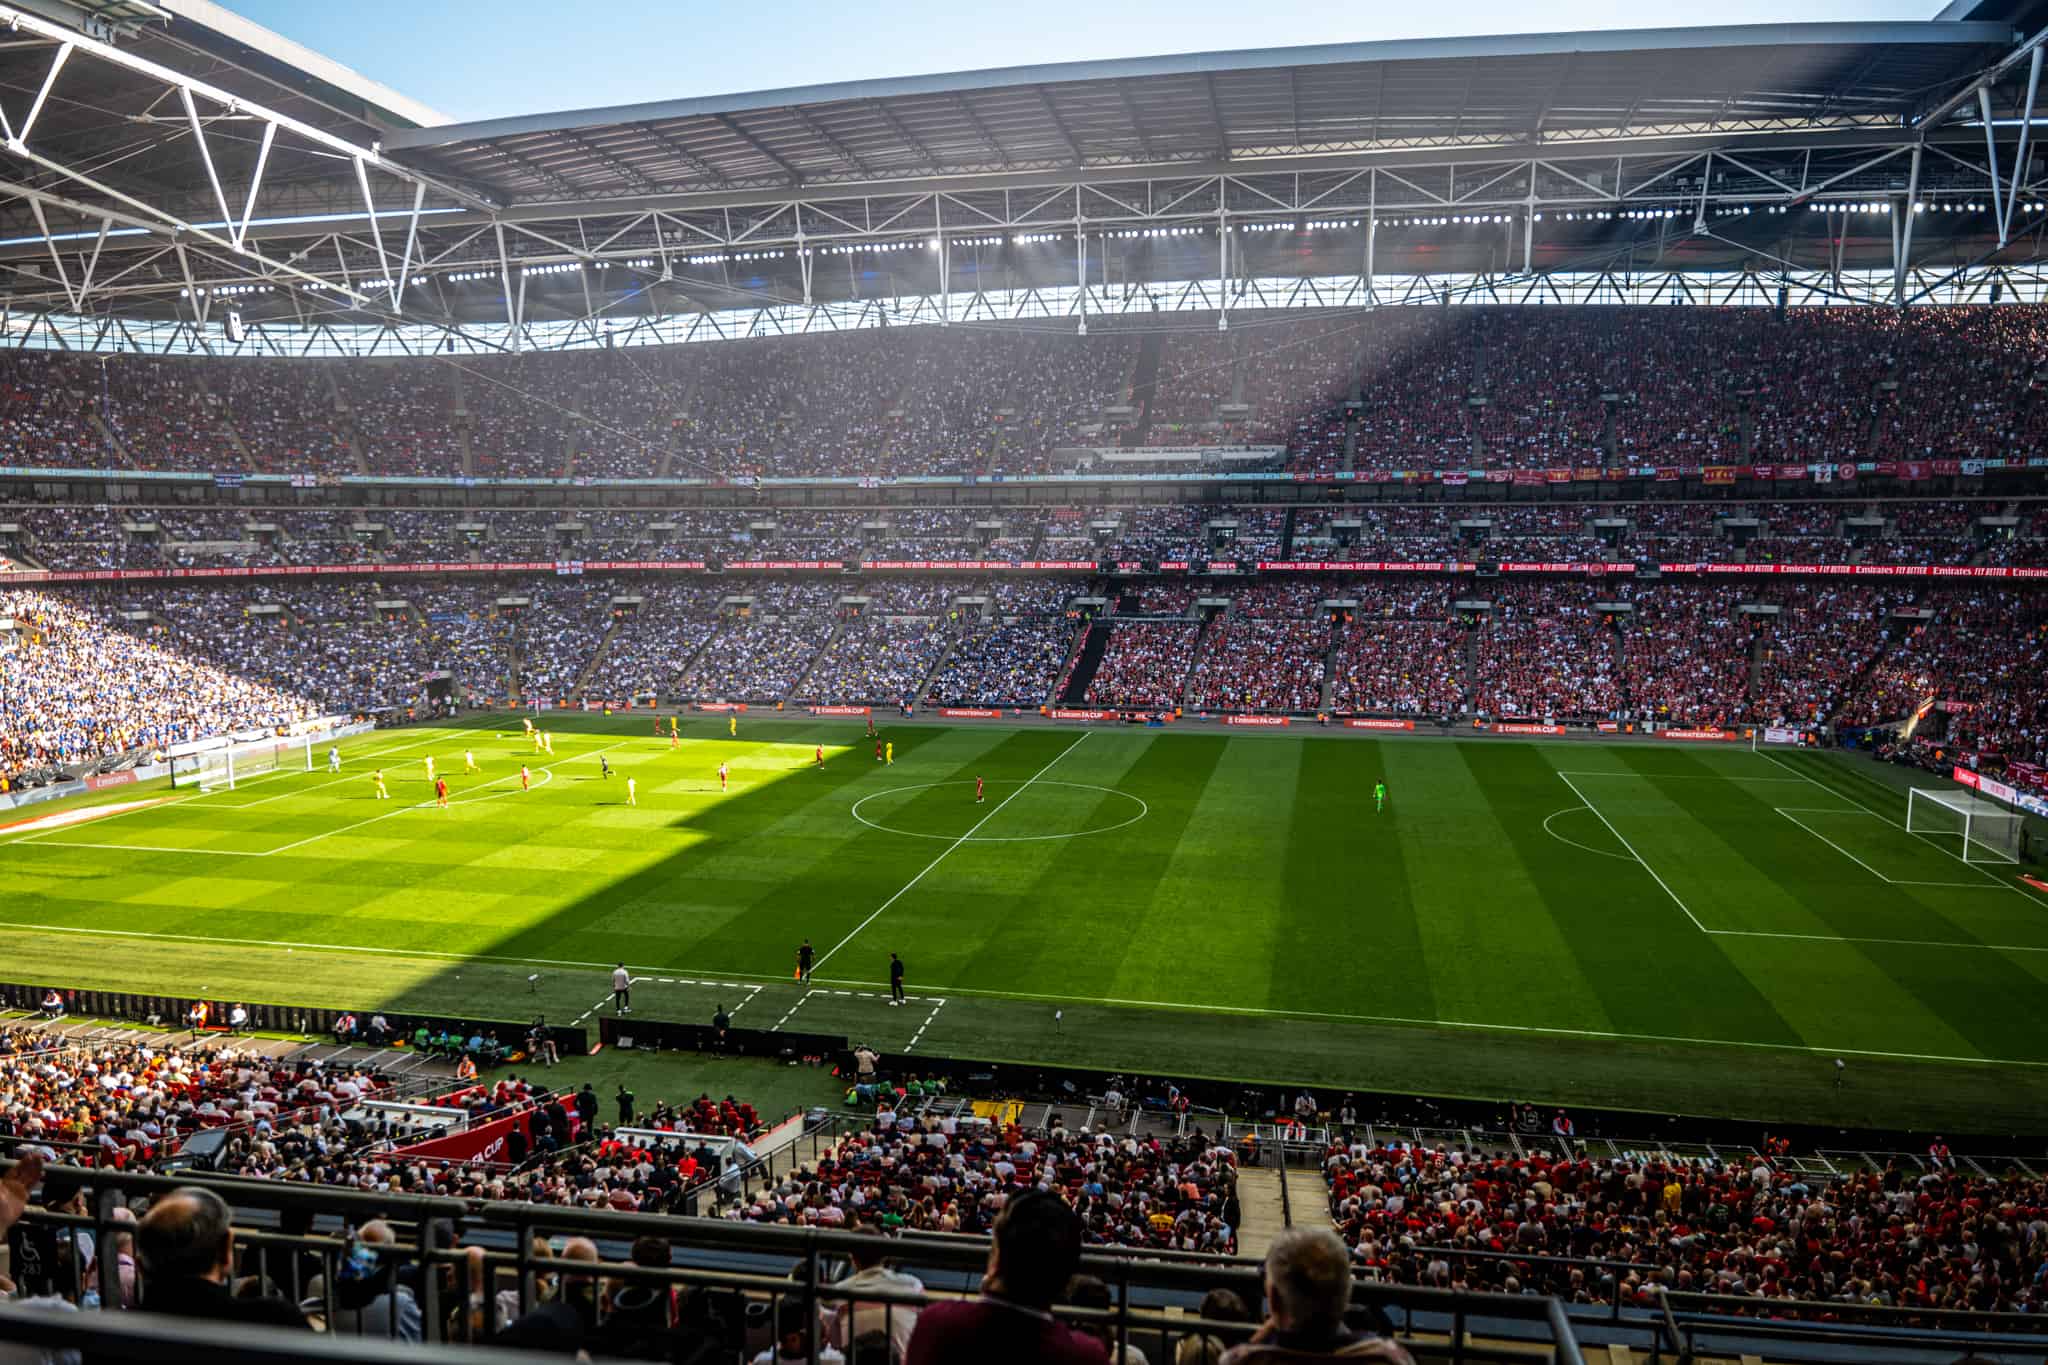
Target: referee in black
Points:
(804, 956)
(895, 979)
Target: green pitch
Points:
(1665, 928)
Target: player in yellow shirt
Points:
(632, 791)
(732, 726)
(378, 779)
(889, 754)
(430, 769)
(469, 761)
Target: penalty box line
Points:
(1793, 813)
(547, 775)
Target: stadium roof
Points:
(186, 158)
(1237, 108)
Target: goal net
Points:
(1985, 832)
(232, 764)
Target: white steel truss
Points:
(1064, 305)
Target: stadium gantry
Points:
(1881, 162)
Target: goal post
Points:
(1985, 832)
(229, 765)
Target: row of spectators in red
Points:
(1929, 1238)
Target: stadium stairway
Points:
(596, 657)
(1145, 387)
(1093, 645)
(106, 432)
(1264, 1209)
(796, 688)
(939, 662)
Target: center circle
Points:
(970, 836)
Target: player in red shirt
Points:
(878, 748)
(721, 777)
(820, 752)
(441, 792)
(977, 791)
(525, 778)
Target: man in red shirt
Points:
(977, 791)
(441, 792)
(1036, 1246)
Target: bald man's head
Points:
(189, 1234)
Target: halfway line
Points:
(947, 851)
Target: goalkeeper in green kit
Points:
(1379, 797)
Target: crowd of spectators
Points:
(932, 1174)
(1144, 665)
(76, 688)
(1438, 388)
(1013, 662)
(1927, 1236)
(1544, 652)
(1273, 663)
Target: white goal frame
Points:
(224, 767)
(1989, 832)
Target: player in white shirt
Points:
(632, 791)
(430, 767)
(333, 759)
(722, 776)
(622, 990)
(469, 762)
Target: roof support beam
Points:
(732, 126)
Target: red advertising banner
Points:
(1058, 714)
(1255, 720)
(1609, 727)
(970, 713)
(1365, 724)
(485, 1142)
(1700, 734)
(102, 781)
(1521, 729)
(840, 710)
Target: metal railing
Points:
(473, 1268)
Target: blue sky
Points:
(476, 59)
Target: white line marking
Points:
(925, 1025)
(1679, 777)
(1837, 847)
(792, 1010)
(547, 775)
(631, 982)
(751, 991)
(1896, 942)
(1995, 879)
(948, 849)
(1177, 1005)
(1633, 854)
(1144, 809)
(1603, 852)
(282, 796)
